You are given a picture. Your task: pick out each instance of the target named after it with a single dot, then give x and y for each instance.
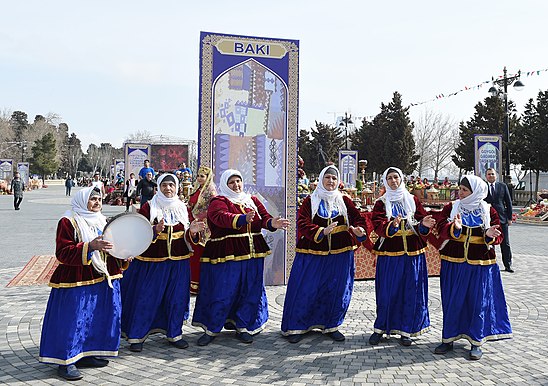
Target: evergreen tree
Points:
(488, 119)
(307, 151)
(327, 141)
(530, 137)
(388, 139)
(43, 156)
(19, 124)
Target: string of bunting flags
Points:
(478, 86)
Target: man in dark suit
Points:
(499, 198)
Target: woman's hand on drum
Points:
(458, 221)
(249, 216)
(197, 226)
(328, 229)
(428, 221)
(158, 228)
(493, 232)
(358, 231)
(98, 244)
(279, 222)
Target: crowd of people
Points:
(213, 247)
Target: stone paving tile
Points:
(271, 360)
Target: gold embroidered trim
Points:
(317, 238)
(233, 258)
(325, 253)
(160, 259)
(235, 236)
(465, 260)
(401, 253)
(82, 283)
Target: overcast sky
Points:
(110, 68)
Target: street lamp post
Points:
(347, 120)
(495, 91)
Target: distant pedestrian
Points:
(145, 169)
(498, 196)
(17, 188)
(130, 192)
(97, 183)
(145, 188)
(69, 183)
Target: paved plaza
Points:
(271, 360)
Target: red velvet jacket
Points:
(310, 229)
(170, 244)
(472, 246)
(192, 200)
(229, 242)
(404, 241)
(75, 267)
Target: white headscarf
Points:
(401, 194)
(90, 224)
(241, 198)
(474, 202)
(332, 198)
(171, 209)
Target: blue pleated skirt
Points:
(155, 299)
(231, 293)
(401, 290)
(473, 302)
(318, 292)
(81, 322)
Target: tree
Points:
(488, 119)
(530, 138)
(73, 155)
(435, 136)
(20, 125)
(43, 156)
(102, 157)
(388, 139)
(140, 136)
(327, 141)
(307, 150)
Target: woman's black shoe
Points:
(205, 339)
(181, 343)
(337, 336)
(444, 348)
(91, 362)
(294, 338)
(244, 337)
(70, 372)
(405, 341)
(375, 338)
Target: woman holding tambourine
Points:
(156, 287)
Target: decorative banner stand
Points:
(249, 121)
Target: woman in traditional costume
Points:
(472, 296)
(322, 276)
(198, 202)
(401, 278)
(155, 289)
(232, 293)
(82, 319)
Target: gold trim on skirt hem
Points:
(402, 333)
(76, 358)
(478, 342)
(320, 327)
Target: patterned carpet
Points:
(37, 271)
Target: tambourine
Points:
(129, 233)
